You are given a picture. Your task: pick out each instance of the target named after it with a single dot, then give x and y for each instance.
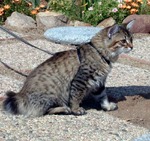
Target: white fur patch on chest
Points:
(96, 82)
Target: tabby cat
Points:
(59, 84)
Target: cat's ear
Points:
(130, 24)
(112, 30)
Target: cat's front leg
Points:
(102, 98)
(76, 98)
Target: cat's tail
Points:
(10, 104)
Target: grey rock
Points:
(20, 22)
(78, 23)
(47, 20)
(107, 22)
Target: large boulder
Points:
(20, 22)
(141, 24)
(46, 20)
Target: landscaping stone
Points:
(20, 22)
(107, 22)
(145, 137)
(96, 125)
(99, 124)
(78, 23)
(141, 24)
(71, 35)
(47, 20)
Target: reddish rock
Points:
(141, 24)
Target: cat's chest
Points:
(98, 78)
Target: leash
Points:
(12, 69)
(24, 41)
(27, 43)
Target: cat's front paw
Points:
(79, 111)
(109, 106)
(67, 110)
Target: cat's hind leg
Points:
(59, 110)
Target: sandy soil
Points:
(134, 109)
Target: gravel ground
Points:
(141, 48)
(96, 125)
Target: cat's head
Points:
(116, 39)
(120, 39)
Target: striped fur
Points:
(59, 84)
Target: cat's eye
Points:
(123, 41)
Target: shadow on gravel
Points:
(117, 94)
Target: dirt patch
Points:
(134, 109)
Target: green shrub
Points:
(89, 11)
(94, 11)
(145, 7)
(35, 3)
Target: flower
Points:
(37, 8)
(114, 10)
(90, 8)
(127, 0)
(120, 1)
(134, 4)
(120, 5)
(124, 6)
(42, 5)
(140, 1)
(16, 1)
(100, 3)
(1, 9)
(6, 7)
(29, 4)
(128, 7)
(34, 12)
(133, 11)
(1, 13)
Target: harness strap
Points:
(103, 57)
(79, 54)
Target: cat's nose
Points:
(130, 46)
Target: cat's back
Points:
(56, 72)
